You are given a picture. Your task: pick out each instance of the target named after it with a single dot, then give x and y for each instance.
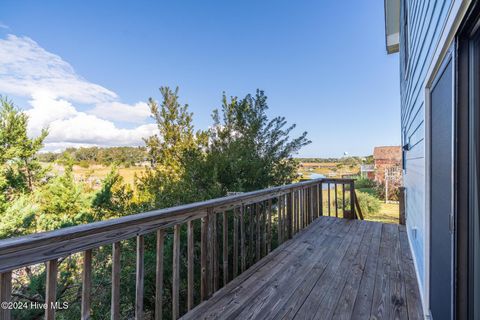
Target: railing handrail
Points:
(40, 247)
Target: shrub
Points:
(362, 182)
(369, 204)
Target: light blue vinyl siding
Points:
(426, 19)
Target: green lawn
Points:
(389, 212)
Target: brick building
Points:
(386, 158)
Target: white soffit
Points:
(392, 25)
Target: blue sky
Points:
(85, 68)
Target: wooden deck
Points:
(333, 269)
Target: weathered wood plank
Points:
(363, 301)
(225, 248)
(414, 305)
(159, 274)
(269, 226)
(204, 259)
(348, 295)
(289, 215)
(396, 278)
(215, 262)
(235, 242)
(336, 201)
(190, 265)
(5, 294)
(228, 299)
(381, 304)
(139, 283)
(328, 198)
(86, 284)
(115, 303)
(243, 252)
(258, 233)
(176, 273)
(37, 248)
(277, 292)
(51, 289)
(319, 299)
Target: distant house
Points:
(386, 160)
(439, 56)
(367, 171)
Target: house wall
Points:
(425, 23)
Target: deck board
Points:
(334, 269)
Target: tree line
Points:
(243, 150)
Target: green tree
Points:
(248, 150)
(172, 152)
(20, 170)
(114, 199)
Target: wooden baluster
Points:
(293, 212)
(336, 204)
(242, 239)
(210, 253)
(115, 304)
(216, 269)
(139, 284)
(235, 242)
(289, 215)
(301, 210)
(176, 272)
(328, 198)
(343, 200)
(320, 199)
(203, 258)
(5, 294)
(264, 228)
(51, 289)
(311, 196)
(258, 232)
(86, 284)
(225, 248)
(190, 262)
(352, 200)
(159, 275)
(280, 219)
(269, 226)
(250, 245)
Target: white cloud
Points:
(27, 68)
(53, 86)
(68, 127)
(4, 26)
(118, 111)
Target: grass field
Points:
(328, 169)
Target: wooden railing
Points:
(235, 232)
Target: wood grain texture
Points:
(176, 273)
(139, 278)
(330, 270)
(115, 301)
(42, 247)
(51, 289)
(204, 259)
(159, 275)
(190, 265)
(225, 248)
(5, 294)
(86, 284)
(235, 242)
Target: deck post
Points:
(401, 200)
(5, 293)
(289, 215)
(352, 200)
